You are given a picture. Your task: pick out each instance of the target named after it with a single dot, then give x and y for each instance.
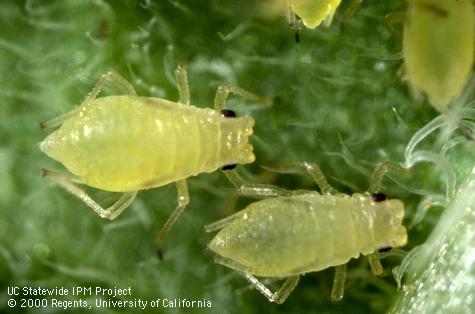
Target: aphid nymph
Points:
(126, 143)
(292, 233)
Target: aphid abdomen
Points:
(126, 143)
(273, 237)
(438, 47)
(194, 140)
(287, 235)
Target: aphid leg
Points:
(328, 20)
(114, 80)
(281, 295)
(68, 183)
(339, 279)
(183, 199)
(264, 190)
(235, 178)
(229, 263)
(318, 176)
(378, 174)
(57, 121)
(217, 225)
(394, 18)
(355, 4)
(375, 263)
(53, 174)
(181, 77)
(223, 91)
(255, 190)
(293, 22)
(312, 169)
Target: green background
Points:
(338, 102)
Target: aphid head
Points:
(388, 228)
(235, 147)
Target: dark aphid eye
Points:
(229, 167)
(379, 197)
(228, 113)
(384, 249)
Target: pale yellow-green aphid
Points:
(298, 232)
(126, 143)
(314, 12)
(438, 48)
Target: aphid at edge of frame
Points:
(438, 48)
(297, 232)
(313, 13)
(126, 143)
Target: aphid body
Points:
(128, 143)
(314, 12)
(438, 47)
(293, 235)
(296, 232)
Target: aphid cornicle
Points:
(297, 232)
(438, 48)
(126, 143)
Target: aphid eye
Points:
(379, 197)
(228, 113)
(229, 167)
(384, 249)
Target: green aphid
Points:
(438, 48)
(297, 232)
(126, 143)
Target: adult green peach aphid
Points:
(126, 143)
(438, 48)
(297, 232)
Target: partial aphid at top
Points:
(438, 48)
(314, 12)
(126, 143)
(296, 232)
